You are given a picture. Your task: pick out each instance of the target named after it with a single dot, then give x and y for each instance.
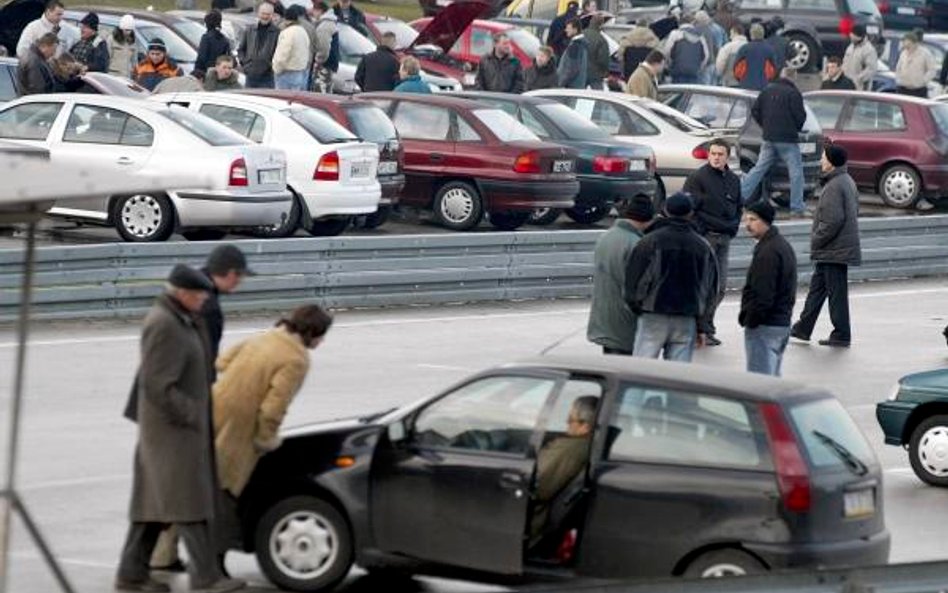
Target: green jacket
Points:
(611, 322)
(558, 463)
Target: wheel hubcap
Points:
(900, 187)
(718, 571)
(933, 451)
(304, 545)
(539, 213)
(457, 205)
(142, 215)
(801, 54)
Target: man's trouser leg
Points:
(618, 351)
(765, 160)
(721, 244)
(680, 344)
(814, 301)
(837, 288)
(202, 565)
(791, 157)
(764, 346)
(139, 544)
(166, 550)
(650, 336)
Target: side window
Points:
(137, 133)
(738, 116)
(827, 110)
(638, 125)
(242, 121)
(95, 125)
(497, 414)
(257, 130)
(383, 104)
(658, 425)
(481, 42)
(31, 121)
(869, 116)
(422, 122)
(607, 116)
(465, 132)
(574, 389)
(709, 109)
(534, 124)
(7, 87)
(672, 99)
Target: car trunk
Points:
(266, 167)
(638, 157)
(358, 162)
(553, 161)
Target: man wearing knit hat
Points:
(671, 284)
(612, 323)
(157, 66)
(91, 50)
(860, 61)
(769, 292)
(834, 246)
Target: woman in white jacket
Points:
(123, 50)
(291, 58)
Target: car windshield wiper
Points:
(854, 463)
(375, 416)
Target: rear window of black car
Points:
(829, 434)
(573, 125)
(371, 124)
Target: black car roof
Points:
(748, 386)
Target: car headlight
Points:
(894, 394)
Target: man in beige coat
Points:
(916, 67)
(644, 81)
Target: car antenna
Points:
(561, 340)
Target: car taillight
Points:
(528, 162)
(883, 7)
(327, 169)
(610, 164)
(846, 25)
(700, 153)
(793, 477)
(238, 174)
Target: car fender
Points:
(804, 27)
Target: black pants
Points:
(721, 245)
(829, 281)
(608, 350)
(141, 541)
(919, 92)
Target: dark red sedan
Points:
(897, 145)
(464, 159)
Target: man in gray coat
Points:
(834, 246)
(612, 323)
(173, 478)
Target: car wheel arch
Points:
(272, 497)
(682, 565)
(919, 415)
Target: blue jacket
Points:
(572, 69)
(756, 65)
(413, 84)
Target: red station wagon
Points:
(464, 159)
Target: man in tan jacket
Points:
(915, 69)
(644, 81)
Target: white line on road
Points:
(67, 561)
(77, 482)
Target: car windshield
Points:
(829, 434)
(321, 127)
(573, 125)
(203, 127)
(404, 34)
(178, 49)
(940, 115)
(525, 40)
(506, 128)
(673, 117)
(190, 30)
(353, 45)
(371, 124)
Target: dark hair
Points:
(321, 5)
(213, 19)
(499, 36)
(51, 4)
(308, 322)
(119, 35)
(47, 39)
(738, 27)
(224, 58)
(575, 24)
(294, 13)
(654, 57)
(834, 60)
(720, 142)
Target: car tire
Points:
(804, 53)
(377, 218)
(458, 206)
(287, 229)
(543, 216)
(509, 221)
(304, 544)
(928, 451)
(588, 214)
(724, 563)
(143, 218)
(329, 227)
(204, 235)
(900, 186)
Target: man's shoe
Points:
(221, 586)
(146, 586)
(712, 341)
(834, 343)
(795, 333)
(176, 566)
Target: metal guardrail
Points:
(121, 279)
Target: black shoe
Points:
(711, 341)
(796, 333)
(176, 566)
(147, 586)
(834, 343)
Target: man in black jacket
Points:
(556, 36)
(779, 111)
(671, 284)
(835, 79)
(352, 16)
(34, 72)
(257, 47)
(716, 191)
(378, 71)
(499, 71)
(769, 293)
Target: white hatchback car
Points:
(127, 136)
(330, 170)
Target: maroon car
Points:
(897, 145)
(367, 121)
(464, 158)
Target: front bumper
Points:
(392, 186)
(595, 190)
(527, 195)
(892, 417)
(230, 209)
(869, 551)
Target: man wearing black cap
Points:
(769, 292)
(834, 246)
(173, 477)
(672, 283)
(156, 66)
(612, 323)
(91, 50)
(860, 61)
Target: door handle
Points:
(124, 160)
(436, 158)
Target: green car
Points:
(916, 417)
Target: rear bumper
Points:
(392, 186)
(934, 179)
(230, 209)
(527, 195)
(869, 551)
(892, 417)
(331, 199)
(600, 190)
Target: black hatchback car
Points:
(607, 170)
(685, 470)
(721, 107)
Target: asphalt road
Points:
(76, 450)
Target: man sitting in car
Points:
(561, 460)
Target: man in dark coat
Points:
(834, 246)
(756, 62)
(571, 71)
(378, 71)
(543, 73)
(769, 292)
(499, 71)
(556, 36)
(91, 50)
(716, 191)
(835, 79)
(672, 284)
(213, 44)
(256, 49)
(34, 72)
(597, 63)
(352, 16)
(173, 479)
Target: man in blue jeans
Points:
(769, 292)
(779, 112)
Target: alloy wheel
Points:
(304, 545)
(800, 54)
(900, 187)
(933, 451)
(142, 215)
(457, 205)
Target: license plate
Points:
(860, 503)
(443, 2)
(562, 166)
(268, 176)
(388, 167)
(872, 30)
(904, 10)
(359, 170)
(808, 147)
(637, 166)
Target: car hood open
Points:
(14, 17)
(445, 29)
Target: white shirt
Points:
(68, 36)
